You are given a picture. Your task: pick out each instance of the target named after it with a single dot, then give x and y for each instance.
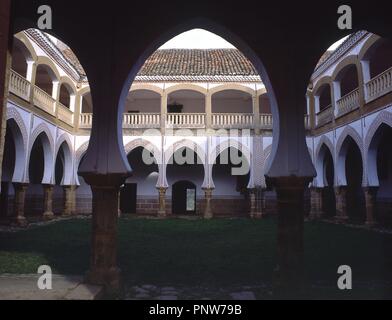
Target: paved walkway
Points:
(24, 287)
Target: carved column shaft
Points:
(48, 202)
(69, 200)
(341, 203)
(207, 200)
(162, 202)
(316, 202)
(370, 199)
(290, 198)
(103, 266)
(19, 203)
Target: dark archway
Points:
(380, 146)
(328, 193)
(230, 173)
(184, 197)
(354, 170)
(139, 194)
(185, 165)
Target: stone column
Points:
(252, 202)
(208, 110)
(69, 200)
(256, 113)
(19, 203)
(290, 199)
(207, 200)
(260, 203)
(163, 112)
(370, 200)
(103, 266)
(341, 203)
(48, 202)
(316, 202)
(162, 202)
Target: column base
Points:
(341, 219)
(258, 215)
(109, 278)
(48, 215)
(20, 221)
(161, 214)
(370, 224)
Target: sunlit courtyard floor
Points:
(219, 258)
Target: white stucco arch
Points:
(225, 145)
(372, 141)
(19, 133)
(64, 142)
(232, 86)
(185, 143)
(42, 130)
(341, 153)
(323, 146)
(80, 152)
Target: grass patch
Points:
(217, 252)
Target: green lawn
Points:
(218, 252)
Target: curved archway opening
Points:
(232, 101)
(380, 172)
(354, 171)
(328, 193)
(185, 165)
(138, 195)
(8, 168)
(38, 166)
(230, 174)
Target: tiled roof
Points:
(197, 65)
(220, 65)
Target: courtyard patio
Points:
(200, 259)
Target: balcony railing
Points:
(265, 121)
(232, 120)
(44, 101)
(141, 120)
(324, 116)
(85, 120)
(307, 121)
(64, 114)
(348, 102)
(379, 85)
(19, 86)
(185, 120)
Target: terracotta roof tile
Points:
(197, 64)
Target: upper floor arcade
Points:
(184, 88)
(350, 82)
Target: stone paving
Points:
(153, 292)
(24, 287)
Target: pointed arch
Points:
(324, 145)
(341, 153)
(371, 146)
(62, 141)
(148, 145)
(42, 130)
(222, 146)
